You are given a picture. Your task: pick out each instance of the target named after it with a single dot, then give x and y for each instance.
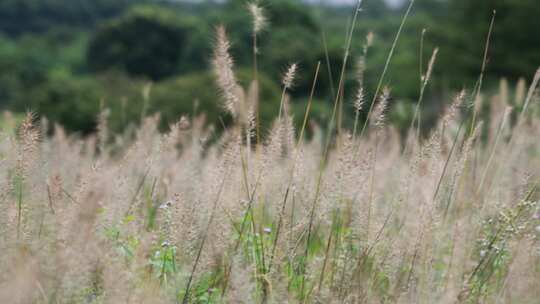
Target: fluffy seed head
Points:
(223, 68)
(288, 79)
(257, 13)
(379, 114)
(359, 100)
(453, 110)
(369, 39)
(360, 69)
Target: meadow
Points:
(308, 214)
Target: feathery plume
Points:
(259, 20)
(223, 68)
(359, 100)
(427, 76)
(360, 69)
(453, 110)
(379, 114)
(288, 78)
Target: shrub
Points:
(147, 41)
(198, 93)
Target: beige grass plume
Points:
(379, 114)
(258, 17)
(288, 78)
(223, 68)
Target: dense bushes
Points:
(72, 102)
(146, 42)
(46, 43)
(197, 93)
(77, 102)
(19, 17)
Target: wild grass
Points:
(341, 217)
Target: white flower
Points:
(165, 205)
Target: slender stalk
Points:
(328, 64)
(447, 162)
(326, 252)
(240, 235)
(478, 88)
(185, 299)
(291, 175)
(386, 65)
(327, 145)
(492, 154)
(425, 81)
(19, 205)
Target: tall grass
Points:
(338, 218)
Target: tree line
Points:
(68, 60)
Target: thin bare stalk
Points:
(291, 175)
(478, 88)
(386, 65)
(185, 299)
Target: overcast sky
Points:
(393, 3)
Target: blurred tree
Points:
(38, 16)
(292, 36)
(72, 102)
(45, 42)
(197, 93)
(30, 60)
(147, 41)
(515, 46)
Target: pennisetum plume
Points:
(287, 81)
(223, 67)
(258, 17)
(379, 113)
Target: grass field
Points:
(365, 215)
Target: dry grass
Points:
(164, 218)
(453, 218)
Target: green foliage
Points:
(115, 46)
(197, 93)
(30, 61)
(514, 48)
(73, 102)
(22, 16)
(147, 41)
(494, 257)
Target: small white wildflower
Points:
(165, 205)
(267, 230)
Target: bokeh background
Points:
(68, 60)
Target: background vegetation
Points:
(59, 58)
